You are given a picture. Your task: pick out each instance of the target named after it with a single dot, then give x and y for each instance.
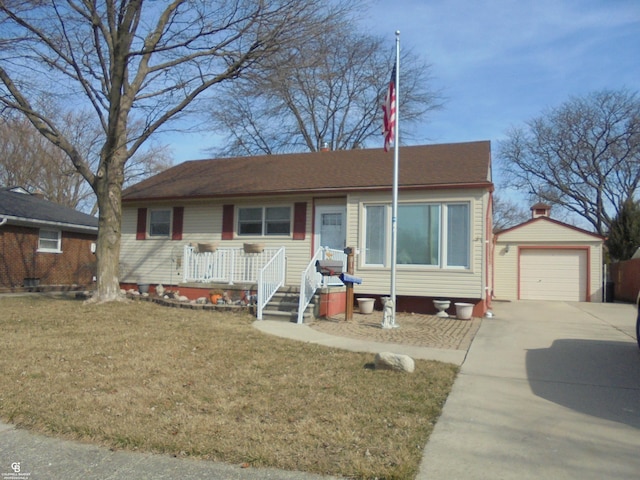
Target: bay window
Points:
(428, 234)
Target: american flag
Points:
(389, 110)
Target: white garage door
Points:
(548, 274)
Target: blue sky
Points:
(502, 62)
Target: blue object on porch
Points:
(346, 278)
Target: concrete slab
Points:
(548, 390)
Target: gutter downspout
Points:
(3, 221)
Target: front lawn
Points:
(139, 376)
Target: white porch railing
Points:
(270, 279)
(225, 265)
(311, 280)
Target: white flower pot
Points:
(366, 305)
(464, 310)
(441, 306)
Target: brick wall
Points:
(20, 260)
(626, 279)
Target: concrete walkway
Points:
(361, 343)
(548, 390)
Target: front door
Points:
(330, 227)
(331, 231)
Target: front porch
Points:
(257, 274)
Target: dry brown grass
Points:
(139, 376)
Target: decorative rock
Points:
(394, 361)
(201, 300)
(182, 298)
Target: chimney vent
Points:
(325, 147)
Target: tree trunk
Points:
(109, 192)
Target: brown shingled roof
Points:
(450, 165)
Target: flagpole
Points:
(394, 206)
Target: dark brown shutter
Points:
(141, 228)
(299, 220)
(178, 220)
(227, 222)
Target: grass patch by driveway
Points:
(139, 376)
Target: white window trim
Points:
(58, 248)
(387, 238)
(445, 243)
(168, 235)
(264, 211)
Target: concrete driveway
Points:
(548, 390)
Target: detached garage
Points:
(544, 259)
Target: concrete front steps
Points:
(283, 306)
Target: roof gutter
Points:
(60, 225)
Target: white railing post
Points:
(308, 285)
(270, 279)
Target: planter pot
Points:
(207, 247)
(143, 287)
(366, 305)
(464, 310)
(441, 306)
(253, 247)
(215, 297)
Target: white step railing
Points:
(270, 278)
(224, 265)
(311, 280)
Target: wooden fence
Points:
(626, 278)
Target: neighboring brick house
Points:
(43, 244)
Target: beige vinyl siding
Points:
(412, 280)
(505, 281)
(151, 260)
(545, 234)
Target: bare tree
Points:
(325, 91)
(583, 156)
(135, 63)
(29, 160)
(507, 213)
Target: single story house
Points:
(298, 208)
(544, 259)
(43, 244)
